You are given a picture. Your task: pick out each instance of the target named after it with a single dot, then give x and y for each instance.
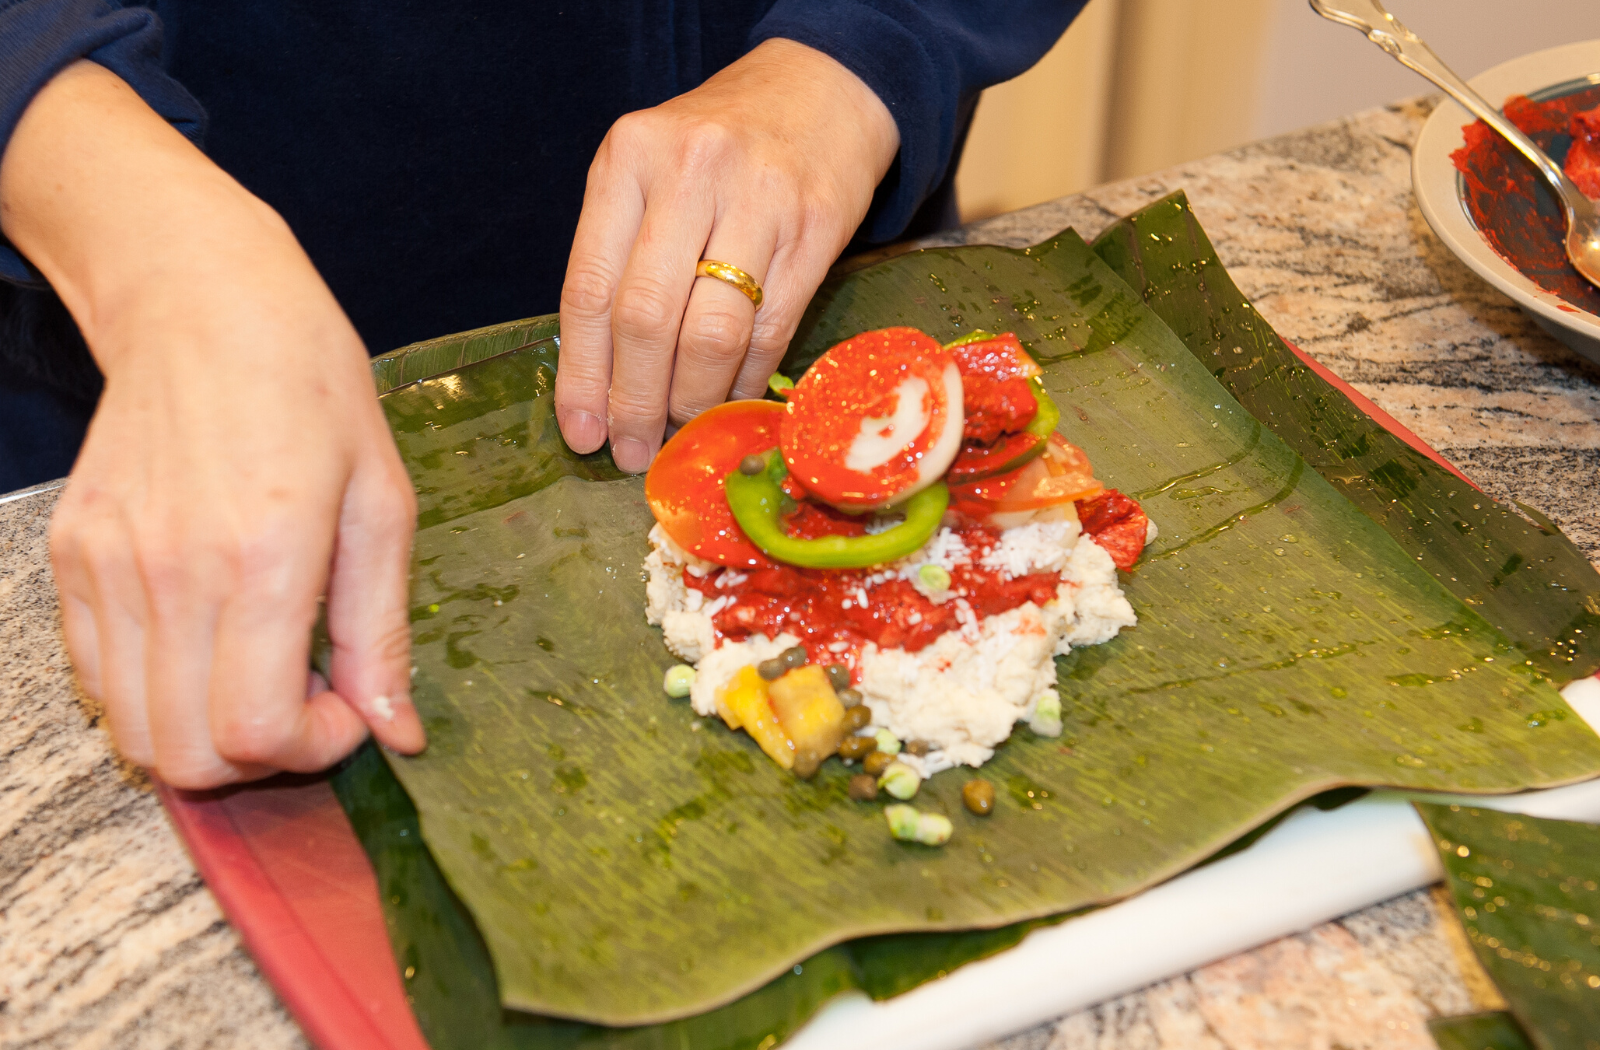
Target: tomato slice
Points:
(1008, 453)
(684, 485)
(875, 420)
(1061, 475)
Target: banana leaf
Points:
(1526, 890)
(627, 863)
(1517, 570)
(1495, 1030)
(450, 980)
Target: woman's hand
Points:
(238, 470)
(770, 165)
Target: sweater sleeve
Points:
(39, 38)
(926, 59)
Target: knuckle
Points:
(713, 335)
(643, 309)
(587, 291)
(633, 412)
(705, 143)
(246, 740)
(194, 774)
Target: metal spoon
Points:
(1383, 29)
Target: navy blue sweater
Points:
(431, 157)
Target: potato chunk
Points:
(744, 704)
(811, 715)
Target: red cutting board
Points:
(284, 863)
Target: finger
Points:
(368, 617)
(796, 271)
(607, 226)
(719, 319)
(101, 601)
(651, 299)
(180, 625)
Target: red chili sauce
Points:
(810, 603)
(823, 607)
(1510, 202)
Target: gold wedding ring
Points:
(730, 274)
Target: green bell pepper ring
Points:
(757, 503)
(1049, 414)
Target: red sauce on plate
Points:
(1509, 201)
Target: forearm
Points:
(107, 200)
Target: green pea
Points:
(678, 681)
(900, 780)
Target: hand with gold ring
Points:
(755, 180)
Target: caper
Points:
(857, 747)
(850, 697)
(863, 787)
(839, 677)
(805, 765)
(772, 669)
(918, 747)
(793, 657)
(751, 465)
(857, 717)
(876, 762)
(978, 795)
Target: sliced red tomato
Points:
(996, 396)
(1061, 475)
(684, 485)
(1117, 523)
(875, 420)
(976, 462)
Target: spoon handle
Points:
(1409, 50)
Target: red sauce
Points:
(995, 393)
(1583, 159)
(1117, 524)
(1509, 201)
(810, 604)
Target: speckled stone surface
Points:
(109, 939)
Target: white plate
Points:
(1309, 869)
(1438, 189)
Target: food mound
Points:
(884, 565)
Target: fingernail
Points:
(631, 455)
(584, 431)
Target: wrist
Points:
(129, 222)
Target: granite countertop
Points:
(108, 938)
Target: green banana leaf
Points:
(628, 863)
(450, 980)
(1496, 1030)
(1517, 570)
(1526, 890)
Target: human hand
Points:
(237, 469)
(770, 165)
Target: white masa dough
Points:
(963, 692)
